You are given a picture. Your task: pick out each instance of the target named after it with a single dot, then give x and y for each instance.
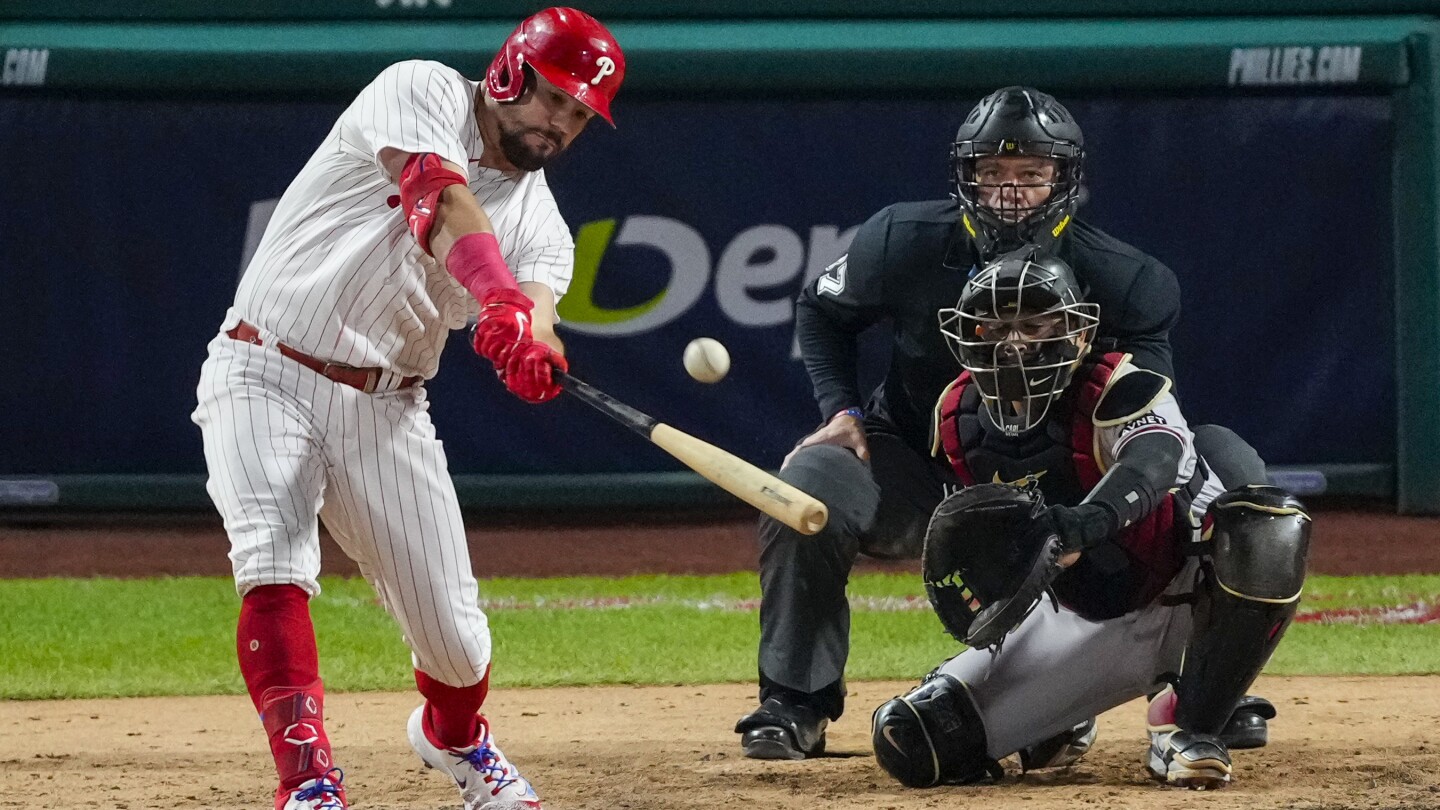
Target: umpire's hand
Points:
(844, 430)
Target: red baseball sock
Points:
(275, 642)
(450, 711)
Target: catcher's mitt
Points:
(985, 565)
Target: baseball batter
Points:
(1141, 601)
(425, 206)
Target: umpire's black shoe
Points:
(1248, 726)
(782, 729)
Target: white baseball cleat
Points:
(1183, 758)
(1186, 759)
(486, 778)
(324, 793)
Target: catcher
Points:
(1089, 558)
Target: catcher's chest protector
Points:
(1115, 578)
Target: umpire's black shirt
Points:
(896, 270)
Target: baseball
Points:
(706, 360)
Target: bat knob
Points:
(814, 520)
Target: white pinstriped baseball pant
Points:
(285, 446)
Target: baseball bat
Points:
(800, 511)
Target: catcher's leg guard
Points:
(933, 735)
(1259, 543)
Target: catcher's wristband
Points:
(851, 411)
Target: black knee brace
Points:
(1259, 542)
(933, 735)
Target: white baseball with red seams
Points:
(338, 276)
(706, 360)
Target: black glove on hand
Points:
(1078, 527)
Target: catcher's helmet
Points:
(1020, 328)
(571, 49)
(1017, 121)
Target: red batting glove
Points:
(528, 372)
(504, 324)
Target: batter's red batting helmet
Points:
(571, 49)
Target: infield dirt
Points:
(1338, 743)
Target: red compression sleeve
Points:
(476, 262)
(276, 644)
(275, 640)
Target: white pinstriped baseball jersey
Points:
(338, 274)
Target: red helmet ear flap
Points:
(571, 49)
(506, 76)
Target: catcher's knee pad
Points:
(1259, 543)
(840, 480)
(932, 735)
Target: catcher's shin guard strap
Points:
(421, 182)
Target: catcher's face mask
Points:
(1020, 329)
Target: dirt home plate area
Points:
(1368, 743)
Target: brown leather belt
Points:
(365, 379)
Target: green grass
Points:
(1333, 592)
(97, 637)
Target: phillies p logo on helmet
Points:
(571, 49)
(607, 68)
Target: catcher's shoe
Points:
(1061, 750)
(486, 778)
(1183, 758)
(782, 729)
(324, 793)
(1186, 759)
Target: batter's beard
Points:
(520, 155)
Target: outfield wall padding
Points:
(847, 115)
(513, 10)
